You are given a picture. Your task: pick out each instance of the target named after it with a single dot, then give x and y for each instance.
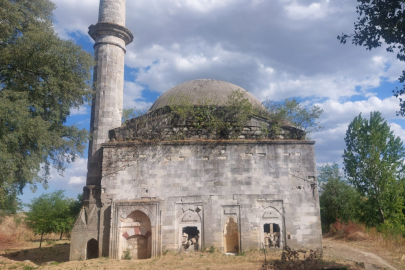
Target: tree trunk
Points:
(60, 235)
(40, 242)
(382, 218)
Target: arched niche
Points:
(190, 231)
(272, 228)
(92, 249)
(231, 236)
(136, 235)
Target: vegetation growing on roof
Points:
(238, 119)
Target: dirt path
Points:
(341, 251)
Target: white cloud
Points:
(74, 177)
(77, 180)
(240, 41)
(297, 11)
(338, 115)
(133, 96)
(80, 111)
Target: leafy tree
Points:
(374, 164)
(52, 213)
(41, 78)
(290, 111)
(338, 199)
(381, 21)
(129, 113)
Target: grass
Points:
(351, 231)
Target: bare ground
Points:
(337, 254)
(360, 252)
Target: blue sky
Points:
(275, 49)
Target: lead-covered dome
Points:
(197, 91)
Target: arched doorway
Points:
(190, 231)
(137, 234)
(92, 249)
(272, 228)
(231, 235)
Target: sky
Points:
(275, 49)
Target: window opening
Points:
(272, 235)
(190, 238)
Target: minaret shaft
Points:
(111, 37)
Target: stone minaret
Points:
(111, 37)
(91, 232)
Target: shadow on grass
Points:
(56, 253)
(322, 265)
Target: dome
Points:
(198, 90)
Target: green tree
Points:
(379, 22)
(42, 77)
(338, 199)
(129, 113)
(291, 112)
(52, 213)
(374, 164)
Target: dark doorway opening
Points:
(191, 237)
(272, 235)
(266, 228)
(92, 249)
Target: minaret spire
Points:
(111, 37)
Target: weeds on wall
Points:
(184, 119)
(127, 255)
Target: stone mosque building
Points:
(144, 198)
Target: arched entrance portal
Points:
(231, 235)
(190, 232)
(137, 233)
(92, 249)
(272, 228)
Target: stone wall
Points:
(205, 184)
(163, 124)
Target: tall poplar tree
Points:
(42, 77)
(374, 164)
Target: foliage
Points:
(11, 204)
(352, 231)
(41, 78)
(291, 112)
(290, 260)
(130, 113)
(224, 121)
(338, 199)
(373, 161)
(381, 21)
(209, 120)
(51, 213)
(127, 255)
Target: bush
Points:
(127, 255)
(351, 231)
(295, 259)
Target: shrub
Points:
(127, 255)
(350, 231)
(290, 260)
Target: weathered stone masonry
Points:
(145, 197)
